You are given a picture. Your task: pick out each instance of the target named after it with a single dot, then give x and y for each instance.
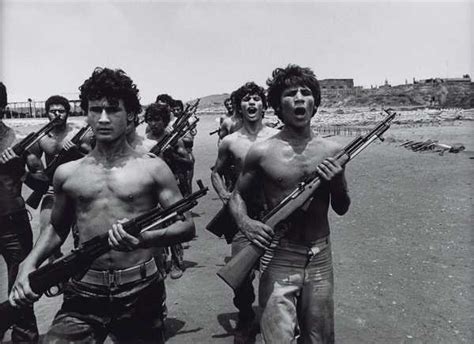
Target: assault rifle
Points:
(26, 143)
(236, 270)
(77, 262)
(65, 155)
(180, 127)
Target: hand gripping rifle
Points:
(180, 127)
(236, 270)
(77, 262)
(64, 155)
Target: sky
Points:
(192, 49)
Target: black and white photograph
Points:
(236, 171)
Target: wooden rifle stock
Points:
(63, 156)
(77, 262)
(238, 268)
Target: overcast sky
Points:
(194, 48)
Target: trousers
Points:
(16, 241)
(296, 294)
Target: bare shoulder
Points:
(329, 146)
(66, 170)
(268, 132)
(154, 166)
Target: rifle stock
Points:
(76, 263)
(238, 268)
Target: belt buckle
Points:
(110, 278)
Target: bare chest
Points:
(52, 143)
(109, 186)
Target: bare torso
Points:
(102, 194)
(10, 176)
(282, 165)
(52, 143)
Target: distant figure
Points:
(16, 237)
(233, 121)
(157, 116)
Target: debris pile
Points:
(433, 146)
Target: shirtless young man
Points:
(16, 237)
(233, 122)
(251, 104)
(111, 184)
(57, 139)
(296, 285)
(158, 116)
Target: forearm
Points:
(48, 241)
(179, 231)
(219, 185)
(238, 208)
(340, 200)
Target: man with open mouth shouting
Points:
(250, 103)
(296, 284)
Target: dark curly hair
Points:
(248, 88)
(178, 103)
(57, 100)
(158, 110)
(292, 75)
(165, 98)
(113, 84)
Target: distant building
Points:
(336, 84)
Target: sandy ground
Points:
(403, 254)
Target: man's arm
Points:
(217, 174)
(332, 170)
(257, 232)
(167, 193)
(49, 240)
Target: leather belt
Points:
(110, 278)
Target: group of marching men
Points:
(118, 177)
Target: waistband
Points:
(110, 278)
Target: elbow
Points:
(342, 208)
(189, 232)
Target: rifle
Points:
(214, 132)
(236, 270)
(63, 156)
(180, 128)
(77, 262)
(21, 147)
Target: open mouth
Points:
(300, 111)
(252, 111)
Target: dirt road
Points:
(402, 255)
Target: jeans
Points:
(244, 296)
(16, 241)
(296, 294)
(130, 313)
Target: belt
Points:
(110, 278)
(312, 247)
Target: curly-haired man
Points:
(100, 191)
(296, 284)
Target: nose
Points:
(103, 117)
(298, 95)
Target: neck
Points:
(253, 128)
(111, 150)
(297, 133)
